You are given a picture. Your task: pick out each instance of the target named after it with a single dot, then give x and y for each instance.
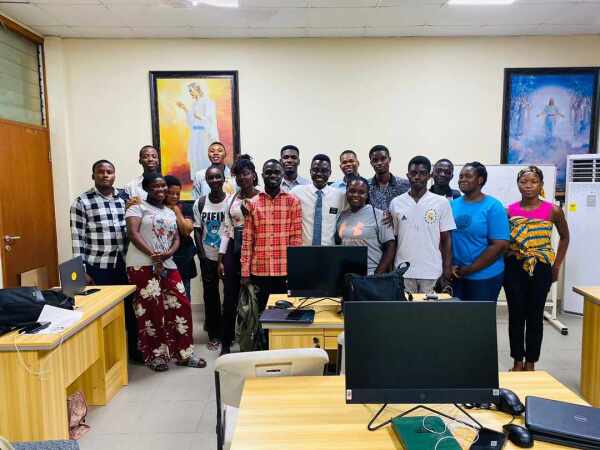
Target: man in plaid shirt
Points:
(273, 223)
(98, 235)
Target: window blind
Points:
(20, 90)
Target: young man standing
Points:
(349, 167)
(150, 163)
(98, 235)
(321, 204)
(209, 218)
(273, 223)
(216, 155)
(384, 186)
(443, 172)
(290, 160)
(422, 222)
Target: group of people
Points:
(464, 243)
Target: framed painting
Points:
(549, 113)
(190, 110)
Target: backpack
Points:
(378, 287)
(248, 331)
(22, 306)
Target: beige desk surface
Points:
(589, 293)
(300, 413)
(326, 311)
(93, 306)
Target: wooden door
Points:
(27, 223)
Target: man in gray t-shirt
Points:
(365, 227)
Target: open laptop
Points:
(563, 423)
(72, 278)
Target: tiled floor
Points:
(176, 409)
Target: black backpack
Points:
(378, 287)
(22, 306)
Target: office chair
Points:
(231, 371)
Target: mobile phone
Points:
(90, 291)
(488, 440)
(34, 327)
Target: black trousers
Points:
(526, 296)
(231, 293)
(212, 298)
(115, 276)
(267, 286)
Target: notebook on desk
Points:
(563, 423)
(278, 315)
(424, 432)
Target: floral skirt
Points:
(163, 313)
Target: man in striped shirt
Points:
(273, 223)
(98, 235)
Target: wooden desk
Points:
(323, 332)
(37, 372)
(590, 344)
(299, 413)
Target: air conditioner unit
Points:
(582, 263)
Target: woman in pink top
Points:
(531, 266)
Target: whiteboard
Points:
(502, 181)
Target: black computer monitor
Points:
(421, 352)
(319, 271)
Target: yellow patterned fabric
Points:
(530, 241)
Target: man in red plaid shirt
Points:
(273, 223)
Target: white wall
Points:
(441, 97)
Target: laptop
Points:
(563, 423)
(278, 315)
(72, 277)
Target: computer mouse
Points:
(518, 435)
(509, 403)
(283, 304)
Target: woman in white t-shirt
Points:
(209, 218)
(161, 307)
(230, 252)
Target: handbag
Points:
(378, 287)
(77, 409)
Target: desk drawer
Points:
(285, 340)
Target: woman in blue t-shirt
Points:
(480, 238)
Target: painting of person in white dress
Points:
(202, 120)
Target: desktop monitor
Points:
(421, 352)
(318, 271)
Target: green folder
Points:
(414, 436)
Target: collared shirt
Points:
(381, 196)
(449, 193)
(341, 184)
(334, 202)
(98, 232)
(134, 188)
(272, 225)
(201, 187)
(287, 186)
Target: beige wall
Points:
(441, 97)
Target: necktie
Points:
(317, 224)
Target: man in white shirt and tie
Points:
(321, 204)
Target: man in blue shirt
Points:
(349, 167)
(384, 186)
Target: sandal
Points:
(192, 361)
(158, 365)
(213, 345)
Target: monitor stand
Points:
(377, 427)
(303, 301)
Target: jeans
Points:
(231, 293)
(526, 296)
(212, 298)
(117, 276)
(187, 285)
(419, 285)
(486, 290)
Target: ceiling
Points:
(301, 18)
